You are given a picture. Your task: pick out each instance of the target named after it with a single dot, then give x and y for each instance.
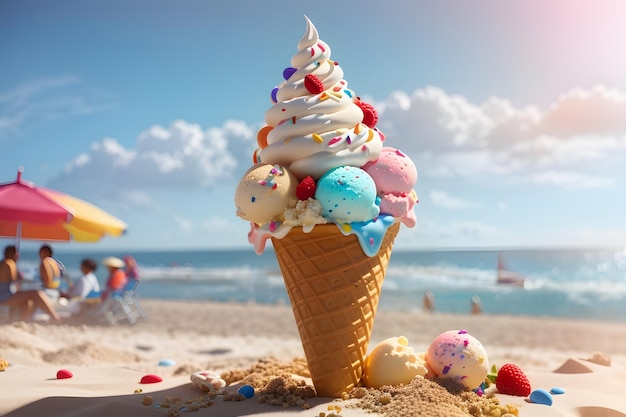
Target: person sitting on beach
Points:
(50, 270)
(116, 282)
(131, 268)
(25, 301)
(87, 286)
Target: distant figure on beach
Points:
(87, 286)
(50, 270)
(428, 303)
(25, 301)
(477, 305)
(116, 282)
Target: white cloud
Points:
(598, 111)
(570, 179)
(441, 198)
(432, 120)
(181, 156)
(449, 136)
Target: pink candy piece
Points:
(64, 374)
(151, 379)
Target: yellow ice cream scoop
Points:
(393, 362)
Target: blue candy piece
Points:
(557, 390)
(247, 391)
(541, 396)
(288, 72)
(167, 362)
(274, 92)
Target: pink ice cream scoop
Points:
(395, 176)
(456, 354)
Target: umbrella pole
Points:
(18, 237)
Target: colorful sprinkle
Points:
(357, 128)
(288, 72)
(557, 391)
(370, 135)
(274, 226)
(64, 374)
(334, 140)
(293, 120)
(150, 379)
(346, 227)
(317, 138)
(261, 136)
(541, 396)
(246, 390)
(274, 92)
(321, 47)
(446, 369)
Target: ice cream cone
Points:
(334, 288)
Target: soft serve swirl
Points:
(321, 159)
(313, 132)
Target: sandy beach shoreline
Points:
(224, 336)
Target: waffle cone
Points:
(334, 288)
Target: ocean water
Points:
(587, 284)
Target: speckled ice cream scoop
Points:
(264, 192)
(347, 194)
(456, 354)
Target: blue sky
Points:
(514, 112)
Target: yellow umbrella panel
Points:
(88, 220)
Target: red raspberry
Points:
(370, 115)
(511, 380)
(306, 189)
(313, 84)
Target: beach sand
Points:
(108, 362)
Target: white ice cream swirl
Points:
(315, 132)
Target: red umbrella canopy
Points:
(21, 201)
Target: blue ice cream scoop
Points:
(347, 194)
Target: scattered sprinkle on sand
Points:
(281, 384)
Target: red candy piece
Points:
(313, 84)
(151, 379)
(370, 115)
(306, 189)
(511, 380)
(64, 374)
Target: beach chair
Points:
(123, 306)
